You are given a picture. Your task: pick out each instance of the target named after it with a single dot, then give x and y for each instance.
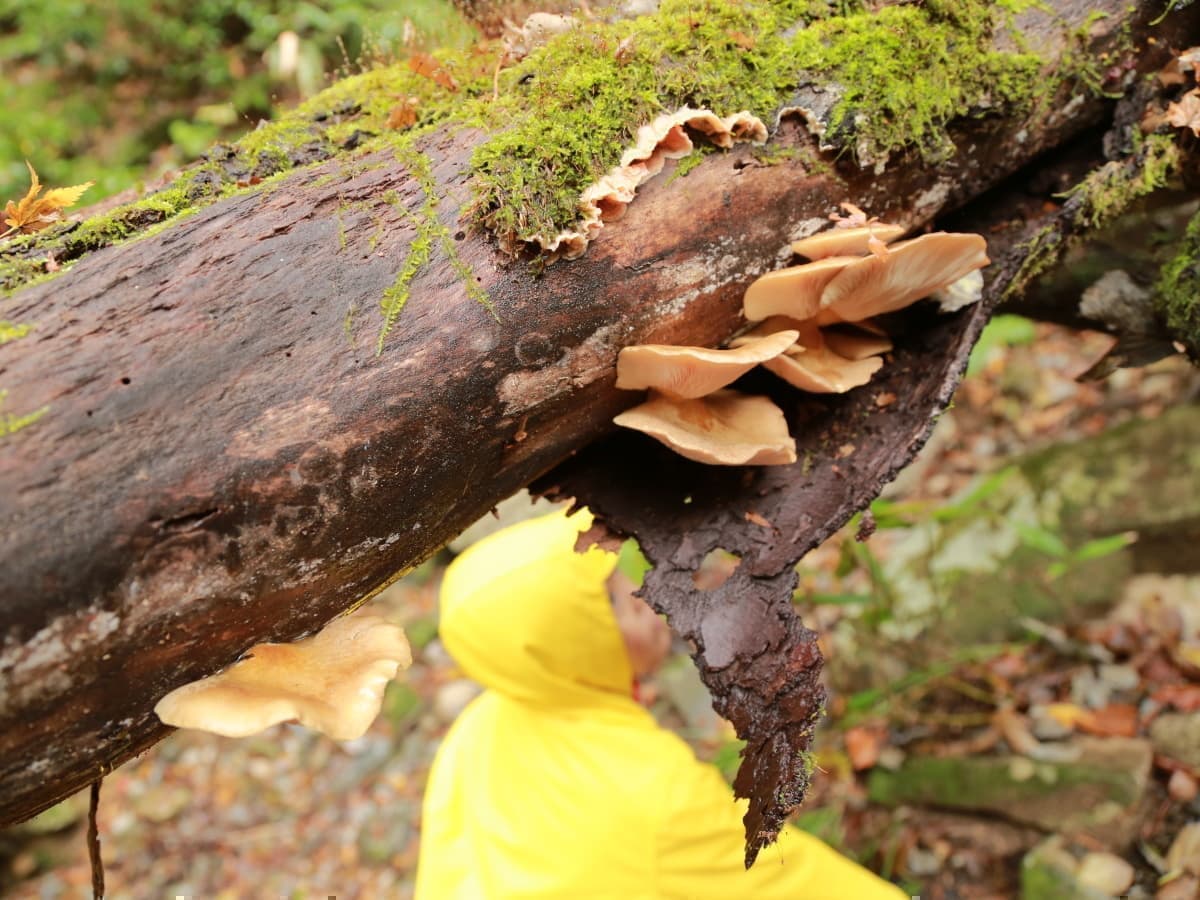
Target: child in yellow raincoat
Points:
(555, 782)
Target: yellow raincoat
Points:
(555, 782)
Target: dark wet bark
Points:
(224, 458)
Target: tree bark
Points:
(224, 459)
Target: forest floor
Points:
(1053, 756)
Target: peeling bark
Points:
(224, 459)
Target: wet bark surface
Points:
(224, 458)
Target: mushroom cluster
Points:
(333, 682)
(814, 329)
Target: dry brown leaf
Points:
(33, 213)
(1186, 113)
(1184, 697)
(425, 65)
(1114, 720)
(863, 745)
(403, 115)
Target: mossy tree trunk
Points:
(210, 441)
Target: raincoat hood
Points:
(524, 614)
(554, 783)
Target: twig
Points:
(93, 842)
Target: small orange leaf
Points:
(757, 520)
(863, 745)
(32, 212)
(403, 115)
(425, 65)
(1068, 715)
(1114, 720)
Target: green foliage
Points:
(1177, 293)
(1001, 331)
(96, 91)
(11, 423)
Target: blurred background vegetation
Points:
(119, 91)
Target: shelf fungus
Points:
(815, 329)
(688, 411)
(332, 682)
(725, 428)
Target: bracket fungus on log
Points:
(332, 681)
(755, 655)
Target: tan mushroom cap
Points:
(909, 271)
(820, 370)
(725, 428)
(794, 291)
(332, 682)
(691, 372)
(846, 241)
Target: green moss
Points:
(430, 233)
(1109, 190)
(901, 74)
(11, 331)
(562, 117)
(10, 423)
(1096, 202)
(1177, 293)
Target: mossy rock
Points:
(1097, 792)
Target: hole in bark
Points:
(125, 380)
(715, 569)
(459, 235)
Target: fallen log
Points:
(220, 445)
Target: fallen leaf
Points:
(1191, 57)
(884, 399)
(741, 39)
(1114, 720)
(32, 213)
(1068, 715)
(428, 67)
(1186, 113)
(1184, 697)
(403, 115)
(863, 745)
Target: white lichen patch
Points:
(664, 138)
(43, 664)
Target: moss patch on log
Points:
(1096, 202)
(1177, 293)
(562, 116)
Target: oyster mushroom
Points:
(795, 291)
(908, 271)
(691, 372)
(846, 241)
(725, 428)
(332, 682)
